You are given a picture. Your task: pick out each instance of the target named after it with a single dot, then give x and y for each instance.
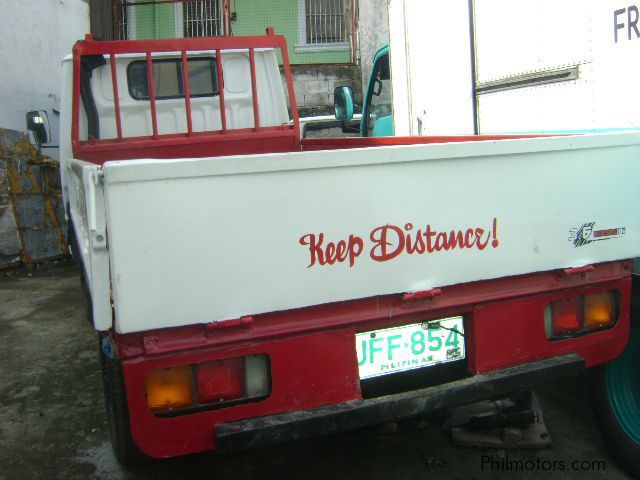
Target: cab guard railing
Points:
(225, 141)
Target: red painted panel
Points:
(152, 96)
(198, 144)
(223, 108)
(312, 350)
(307, 371)
(187, 90)
(336, 143)
(254, 88)
(513, 332)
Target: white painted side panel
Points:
(544, 108)
(204, 240)
(430, 60)
(86, 206)
(400, 75)
(616, 66)
(555, 35)
(431, 67)
(517, 36)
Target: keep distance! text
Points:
(387, 242)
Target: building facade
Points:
(321, 34)
(36, 35)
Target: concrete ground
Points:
(52, 423)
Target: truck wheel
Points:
(115, 399)
(616, 387)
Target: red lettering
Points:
(469, 238)
(356, 245)
(330, 253)
(390, 241)
(479, 242)
(333, 252)
(381, 238)
(495, 241)
(315, 248)
(428, 236)
(455, 239)
(341, 251)
(418, 247)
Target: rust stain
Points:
(28, 156)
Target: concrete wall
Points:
(36, 35)
(314, 85)
(373, 32)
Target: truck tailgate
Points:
(211, 239)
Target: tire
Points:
(616, 387)
(115, 399)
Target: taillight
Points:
(208, 384)
(579, 315)
(220, 380)
(170, 388)
(599, 310)
(566, 316)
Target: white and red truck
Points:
(250, 287)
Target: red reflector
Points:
(566, 316)
(221, 380)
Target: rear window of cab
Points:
(168, 79)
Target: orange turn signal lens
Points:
(170, 388)
(599, 310)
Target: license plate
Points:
(398, 349)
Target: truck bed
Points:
(200, 240)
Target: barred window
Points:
(327, 22)
(123, 30)
(203, 18)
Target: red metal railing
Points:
(255, 140)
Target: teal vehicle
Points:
(377, 110)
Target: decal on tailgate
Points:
(587, 233)
(387, 242)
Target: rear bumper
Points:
(272, 429)
(314, 365)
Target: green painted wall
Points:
(155, 21)
(253, 17)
